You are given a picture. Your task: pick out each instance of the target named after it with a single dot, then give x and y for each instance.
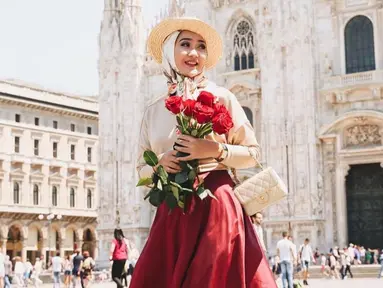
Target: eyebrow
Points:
(190, 39)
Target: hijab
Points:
(178, 84)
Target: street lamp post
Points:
(49, 217)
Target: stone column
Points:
(24, 250)
(62, 249)
(79, 245)
(329, 151)
(44, 249)
(4, 246)
(95, 249)
(341, 208)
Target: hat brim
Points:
(165, 28)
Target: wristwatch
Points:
(223, 154)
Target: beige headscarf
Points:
(179, 84)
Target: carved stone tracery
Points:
(363, 135)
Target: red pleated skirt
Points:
(213, 245)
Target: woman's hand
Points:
(197, 148)
(170, 162)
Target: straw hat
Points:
(170, 25)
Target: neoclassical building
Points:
(309, 77)
(48, 171)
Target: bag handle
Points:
(254, 156)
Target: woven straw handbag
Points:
(260, 191)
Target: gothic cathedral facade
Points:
(309, 75)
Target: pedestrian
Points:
(56, 270)
(19, 272)
(286, 254)
(119, 255)
(37, 270)
(306, 257)
(381, 264)
(77, 261)
(68, 266)
(8, 270)
(86, 269)
(2, 269)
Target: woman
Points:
(67, 270)
(213, 244)
(119, 255)
(86, 269)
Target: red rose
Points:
(222, 123)
(219, 108)
(202, 113)
(174, 104)
(189, 107)
(206, 98)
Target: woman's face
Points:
(190, 53)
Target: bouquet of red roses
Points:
(197, 118)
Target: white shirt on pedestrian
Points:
(258, 229)
(306, 253)
(286, 250)
(56, 264)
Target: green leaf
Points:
(193, 163)
(150, 158)
(194, 133)
(150, 192)
(163, 174)
(181, 177)
(175, 192)
(207, 132)
(155, 197)
(145, 181)
(162, 195)
(171, 201)
(192, 174)
(187, 190)
(155, 178)
(179, 121)
(202, 193)
(181, 204)
(175, 185)
(183, 164)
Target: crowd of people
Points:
(77, 269)
(290, 262)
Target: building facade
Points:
(48, 172)
(308, 75)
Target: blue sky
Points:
(54, 43)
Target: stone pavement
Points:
(315, 283)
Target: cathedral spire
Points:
(175, 8)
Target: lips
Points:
(191, 64)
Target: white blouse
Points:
(158, 134)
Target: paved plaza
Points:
(315, 283)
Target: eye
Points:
(185, 44)
(202, 47)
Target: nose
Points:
(193, 52)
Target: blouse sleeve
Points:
(240, 138)
(144, 170)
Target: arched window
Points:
(35, 194)
(359, 45)
(16, 193)
(89, 199)
(54, 196)
(244, 49)
(249, 114)
(72, 198)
